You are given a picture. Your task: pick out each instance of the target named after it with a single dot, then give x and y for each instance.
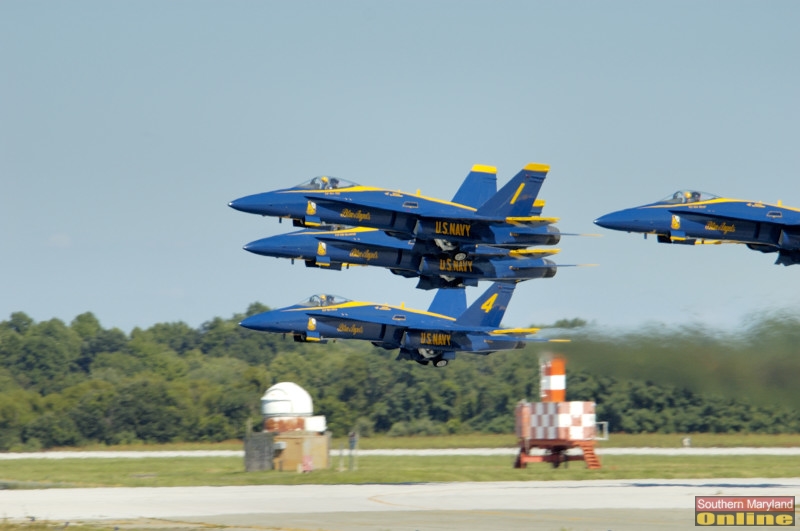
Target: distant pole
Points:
(352, 439)
(356, 465)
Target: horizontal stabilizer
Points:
(788, 258)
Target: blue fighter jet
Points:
(332, 249)
(692, 217)
(433, 336)
(477, 215)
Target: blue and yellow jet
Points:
(477, 215)
(332, 249)
(691, 217)
(433, 336)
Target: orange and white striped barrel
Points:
(553, 386)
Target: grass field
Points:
(217, 471)
(616, 440)
(487, 440)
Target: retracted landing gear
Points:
(451, 249)
(437, 362)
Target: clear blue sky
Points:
(126, 127)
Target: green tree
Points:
(178, 337)
(47, 357)
(19, 322)
(146, 408)
(51, 429)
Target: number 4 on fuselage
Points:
(422, 336)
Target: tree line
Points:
(79, 383)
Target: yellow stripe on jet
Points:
(515, 331)
(338, 232)
(350, 304)
(354, 188)
(358, 304)
(530, 219)
(533, 252)
(358, 189)
(715, 201)
(719, 200)
(516, 194)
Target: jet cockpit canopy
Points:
(323, 299)
(325, 182)
(687, 196)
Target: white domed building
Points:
(288, 407)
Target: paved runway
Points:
(572, 505)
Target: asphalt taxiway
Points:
(621, 505)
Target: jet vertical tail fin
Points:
(478, 187)
(451, 302)
(516, 198)
(489, 308)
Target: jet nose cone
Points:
(256, 247)
(249, 322)
(264, 322)
(279, 246)
(615, 220)
(252, 204)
